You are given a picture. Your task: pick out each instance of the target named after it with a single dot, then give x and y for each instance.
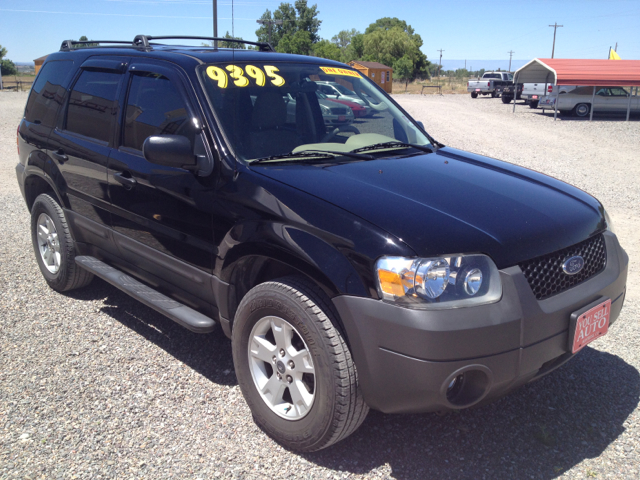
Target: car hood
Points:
(452, 201)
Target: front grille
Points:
(545, 274)
(339, 111)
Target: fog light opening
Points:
(465, 388)
(455, 387)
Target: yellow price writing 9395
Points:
(241, 77)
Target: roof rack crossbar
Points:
(73, 44)
(144, 41)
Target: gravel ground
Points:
(96, 385)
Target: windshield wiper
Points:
(310, 154)
(381, 146)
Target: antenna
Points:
(215, 22)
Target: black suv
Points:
(353, 266)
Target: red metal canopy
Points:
(618, 73)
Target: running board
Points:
(176, 311)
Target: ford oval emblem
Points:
(573, 265)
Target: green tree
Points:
(403, 70)
(387, 40)
(297, 17)
(7, 67)
(84, 38)
(223, 44)
(327, 49)
(299, 43)
(350, 44)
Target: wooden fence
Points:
(16, 84)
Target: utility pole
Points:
(269, 23)
(510, 52)
(440, 65)
(555, 27)
(616, 49)
(215, 22)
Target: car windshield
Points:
(343, 90)
(271, 110)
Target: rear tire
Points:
(581, 109)
(533, 104)
(275, 323)
(506, 99)
(54, 247)
(474, 95)
(494, 94)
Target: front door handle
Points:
(59, 155)
(125, 179)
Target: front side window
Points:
(271, 110)
(92, 104)
(154, 107)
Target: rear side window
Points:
(154, 107)
(92, 104)
(47, 93)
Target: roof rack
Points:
(69, 45)
(144, 41)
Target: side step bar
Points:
(176, 311)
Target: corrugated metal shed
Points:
(618, 73)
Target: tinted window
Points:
(154, 107)
(47, 93)
(92, 104)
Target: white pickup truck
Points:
(488, 83)
(532, 93)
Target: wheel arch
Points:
(250, 263)
(36, 183)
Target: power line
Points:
(555, 27)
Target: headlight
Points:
(325, 110)
(607, 219)
(440, 282)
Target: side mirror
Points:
(420, 124)
(170, 150)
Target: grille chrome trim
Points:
(546, 277)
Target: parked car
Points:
(352, 268)
(533, 92)
(358, 110)
(506, 92)
(335, 91)
(488, 83)
(578, 101)
(332, 112)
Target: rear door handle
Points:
(59, 155)
(125, 179)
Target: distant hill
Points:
(474, 65)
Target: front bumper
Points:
(407, 359)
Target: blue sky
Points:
(32, 28)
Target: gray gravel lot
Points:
(96, 385)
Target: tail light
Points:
(550, 88)
(488, 84)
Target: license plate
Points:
(477, 89)
(342, 118)
(534, 96)
(589, 323)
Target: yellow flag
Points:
(613, 55)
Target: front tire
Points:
(54, 247)
(294, 367)
(581, 110)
